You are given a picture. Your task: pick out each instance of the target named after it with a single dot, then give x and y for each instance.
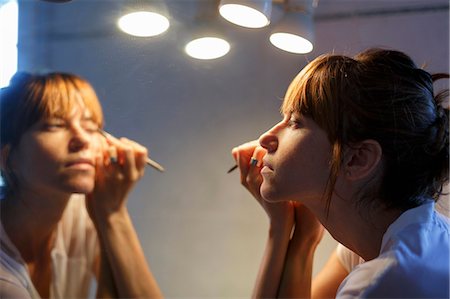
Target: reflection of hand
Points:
(281, 214)
(120, 166)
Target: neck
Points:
(359, 230)
(30, 218)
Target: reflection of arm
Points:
(106, 205)
(126, 260)
(105, 279)
(327, 282)
(271, 268)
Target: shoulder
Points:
(398, 274)
(365, 276)
(14, 279)
(406, 266)
(386, 278)
(11, 285)
(9, 289)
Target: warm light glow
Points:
(9, 20)
(143, 23)
(207, 48)
(291, 43)
(243, 16)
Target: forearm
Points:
(105, 286)
(271, 268)
(129, 268)
(297, 274)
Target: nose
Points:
(269, 140)
(80, 139)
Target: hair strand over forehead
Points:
(379, 95)
(31, 98)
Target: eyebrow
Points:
(87, 118)
(90, 120)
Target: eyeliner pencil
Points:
(149, 161)
(232, 169)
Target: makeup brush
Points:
(149, 161)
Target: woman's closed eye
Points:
(295, 123)
(55, 124)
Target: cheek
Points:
(307, 164)
(97, 144)
(38, 162)
(38, 156)
(33, 170)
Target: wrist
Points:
(304, 247)
(104, 218)
(280, 229)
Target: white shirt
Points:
(73, 256)
(413, 262)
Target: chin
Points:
(82, 189)
(81, 186)
(271, 194)
(268, 193)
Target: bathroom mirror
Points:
(202, 233)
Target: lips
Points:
(267, 164)
(80, 162)
(267, 168)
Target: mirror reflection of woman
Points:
(64, 218)
(363, 151)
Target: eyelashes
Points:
(295, 124)
(293, 120)
(60, 124)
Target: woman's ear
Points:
(362, 159)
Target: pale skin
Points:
(69, 156)
(289, 182)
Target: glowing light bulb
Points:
(243, 16)
(207, 48)
(291, 43)
(143, 23)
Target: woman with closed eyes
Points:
(64, 219)
(362, 151)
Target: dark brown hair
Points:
(381, 95)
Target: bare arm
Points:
(105, 280)
(271, 268)
(125, 259)
(328, 280)
(297, 274)
(124, 269)
(281, 217)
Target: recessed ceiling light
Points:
(207, 48)
(143, 23)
